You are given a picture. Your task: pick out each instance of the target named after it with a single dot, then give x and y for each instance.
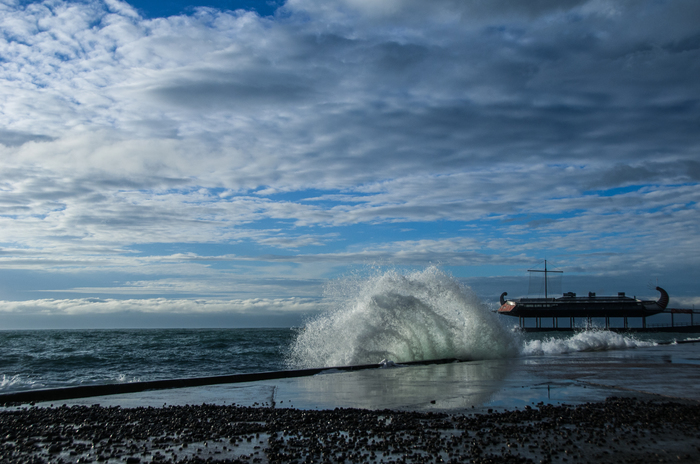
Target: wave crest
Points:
(590, 340)
(417, 316)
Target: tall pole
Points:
(546, 271)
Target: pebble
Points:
(619, 430)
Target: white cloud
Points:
(306, 137)
(74, 307)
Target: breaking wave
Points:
(590, 340)
(419, 316)
(16, 382)
(401, 317)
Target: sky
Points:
(177, 164)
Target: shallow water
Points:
(648, 373)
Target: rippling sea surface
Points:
(31, 359)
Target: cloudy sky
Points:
(215, 164)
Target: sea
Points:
(389, 316)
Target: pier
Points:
(534, 323)
(611, 312)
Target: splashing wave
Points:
(401, 317)
(590, 340)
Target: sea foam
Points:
(589, 340)
(16, 382)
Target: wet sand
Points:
(618, 430)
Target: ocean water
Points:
(385, 316)
(63, 358)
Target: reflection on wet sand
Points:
(435, 387)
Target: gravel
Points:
(618, 430)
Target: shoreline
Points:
(617, 430)
(46, 395)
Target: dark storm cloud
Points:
(669, 172)
(420, 11)
(252, 89)
(16, 138)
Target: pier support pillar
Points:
(625, 322)
(644, 322)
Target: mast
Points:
(545, 275)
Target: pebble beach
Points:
(617, 430)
